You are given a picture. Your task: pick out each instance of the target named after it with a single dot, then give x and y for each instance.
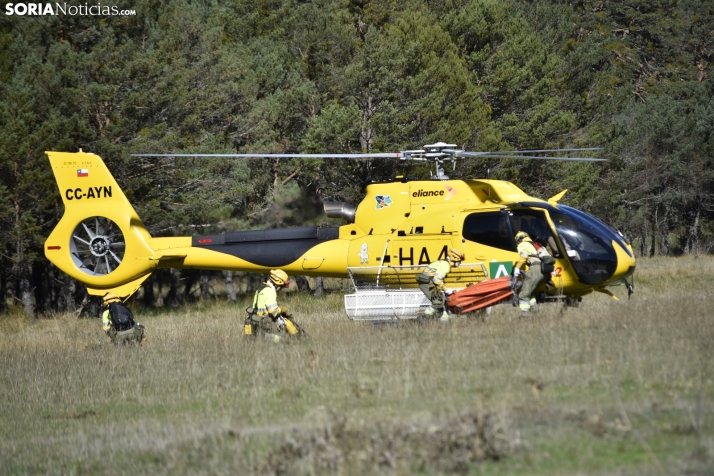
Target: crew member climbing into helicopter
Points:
(118, 322)
(531, 263)
(266, 316)
(431, 282)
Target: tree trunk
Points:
(174, 298)
(230, 290)
(664, 243)
(160, 295)
(319, 286)
(26, 296)
(3, 292)
(42, 296)
(205, 285)
(190, 277)
(365, 138)
(302, 283)
(252, 281)
(691, 246)
(148, 288)
(68, 290)
(94, 306)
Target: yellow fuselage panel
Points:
(499, 192)
(625, 263)
(383, 208)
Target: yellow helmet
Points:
(522, 236)
(279, 277)
(110, 297)
(455, 255)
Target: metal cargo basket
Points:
(391, 292)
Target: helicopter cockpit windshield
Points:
(588, 243)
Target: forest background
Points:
(632, 77)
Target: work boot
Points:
(444, 317)
(429, 311)
(524, 306)
(533, 304)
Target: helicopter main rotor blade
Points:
(385, 155)
(540, 151)
(504, 156)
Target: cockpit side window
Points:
(535, 224)
(490, 229)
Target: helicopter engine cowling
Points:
(340, 210)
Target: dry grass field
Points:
(612, 387)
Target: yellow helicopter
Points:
(398, 228)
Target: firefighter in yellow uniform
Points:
(266, 316)
(431, 282)
(529, 264)
(118, 322)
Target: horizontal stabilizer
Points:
(123, 291)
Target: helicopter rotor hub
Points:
(100, 245)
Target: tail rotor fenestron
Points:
(97, 246)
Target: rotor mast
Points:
(438, 153)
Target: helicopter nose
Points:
(625, 262)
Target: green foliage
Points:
(666, 154)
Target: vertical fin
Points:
(100, 240)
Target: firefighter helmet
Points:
(522, 236)
(279, 277)
(110, 298)
(455, 255)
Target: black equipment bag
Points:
(549, 260)
(122, 317)
(547, 265)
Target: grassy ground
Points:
(611, 387)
